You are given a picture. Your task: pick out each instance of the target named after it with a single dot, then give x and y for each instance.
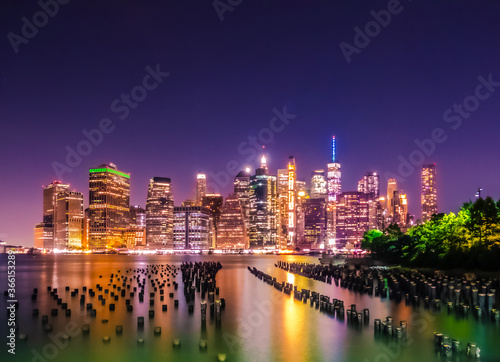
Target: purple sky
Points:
(226, 77)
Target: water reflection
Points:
(259, 323)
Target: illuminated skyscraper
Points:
(262, 231)
(45, 231)
(109, 208)
(242, 189)
(214, 203)
(370, 185)
(136, 233)
(302, 195)
(334, 189)
(50, 195)
(137, 216)
(159, 213)
(314, 224)
(68, 225)
(232, 233)
(292, 194)
(377, 214)
(44, 236)
(352, 218)
(392, 186)
(318, 185)
(429, 192)
(191, 228)
(201, 187)
(282, 209)
(400, 210)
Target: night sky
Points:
(226, 77)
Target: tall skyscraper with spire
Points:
(429, 192)
(334, 189)
(334, 175)
(262, 231)
(201, 188)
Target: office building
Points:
(160, 213)
(191, 228)
(232, 231)
(352, 219)
(109, 207)
(370, 185)
(429, 192)
(214, 203)
(242, 189)
(68, 220)
(318, 185)
(314, 224)
(201, 188)
(392, 186)
(334, 189)
(62, 225)
(263, 202)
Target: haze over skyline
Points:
(228, 79)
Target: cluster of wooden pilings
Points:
(200, 277)
(125, 289)
(333, 307)
(459, 295)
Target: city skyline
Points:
(218, 91)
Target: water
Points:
(259, 323)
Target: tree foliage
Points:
(469, 239)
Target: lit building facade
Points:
(263, 228)
(160, 213)
(201, 188)
(314, 211)
(109, 206)
(214, 203)
(242, 189)
(377, 214)
(137, 216)
(399, 208)
(292, 203)
(232, 231)
(191, 228)
(318, 185)
(352, 218)
(68, 223)
(136, 233)
(282, 208)
(62, 225)
(392, 186)
(44, 236)
(334, 188)
(429, 192)
(370, 185)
